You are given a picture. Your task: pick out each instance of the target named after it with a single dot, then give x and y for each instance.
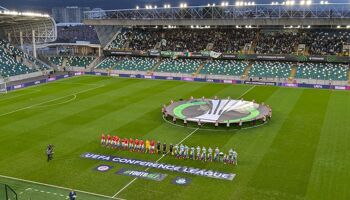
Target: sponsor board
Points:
(78, 73)
(259, 83)
(228, 81)
(210, 80)
(318, 86)
(290, 84)
(37, 82)
(163, 166)
(103, 168)
(51, 79)
(18, 86)
(148, 77)
(181, 181)
(98, 74)
(187, 79)
(115, 75)
(142, 174)
(66, 76)
(340, 87)
(121, 52)
(169, 78)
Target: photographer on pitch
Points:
(49, 152)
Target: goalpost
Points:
(3, 86)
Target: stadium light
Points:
(302, 2)
(308, 2)
(183, 5)
(167, 6)
(224, 3)
(323, 2)
(290, 3)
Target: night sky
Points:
(46, 5)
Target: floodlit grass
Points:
(303, 153)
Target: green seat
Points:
(224, 67)
(267, 69)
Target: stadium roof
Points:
(13, 24)
(241, 13)
(7, 19)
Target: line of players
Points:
(178, 151)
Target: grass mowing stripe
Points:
(296, 140)
(330, 175)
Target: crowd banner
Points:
(214, 54)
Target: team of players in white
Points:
(184, 152)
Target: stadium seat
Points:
(186, 66)
(270, 69)
(224, 67)
(322, 71)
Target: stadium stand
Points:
(185, 66)
(317, 42)
(224, 67)
(79, 61)
(56, 60)
(326, 42)
(108, 63)
(277, 42)
(223, 40)
(128, 63)
(270, 69)
(9, 66)
(322, 71)
(72, 61)
(72, 34)
(136, 64)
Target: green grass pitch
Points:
(303, 153)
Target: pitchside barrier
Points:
(7, 193)
(209, 80)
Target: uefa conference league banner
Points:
(163, 166)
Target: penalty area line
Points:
(59, 187)
(133, 180)
(41, 103)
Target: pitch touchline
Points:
(59, 187)
(133, 180)
(38, 104)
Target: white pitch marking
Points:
(133, 180)
(38, 104)
(60, 103)
(59, 187)
(4, 99)
(247, 91)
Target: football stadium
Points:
(226, 100)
